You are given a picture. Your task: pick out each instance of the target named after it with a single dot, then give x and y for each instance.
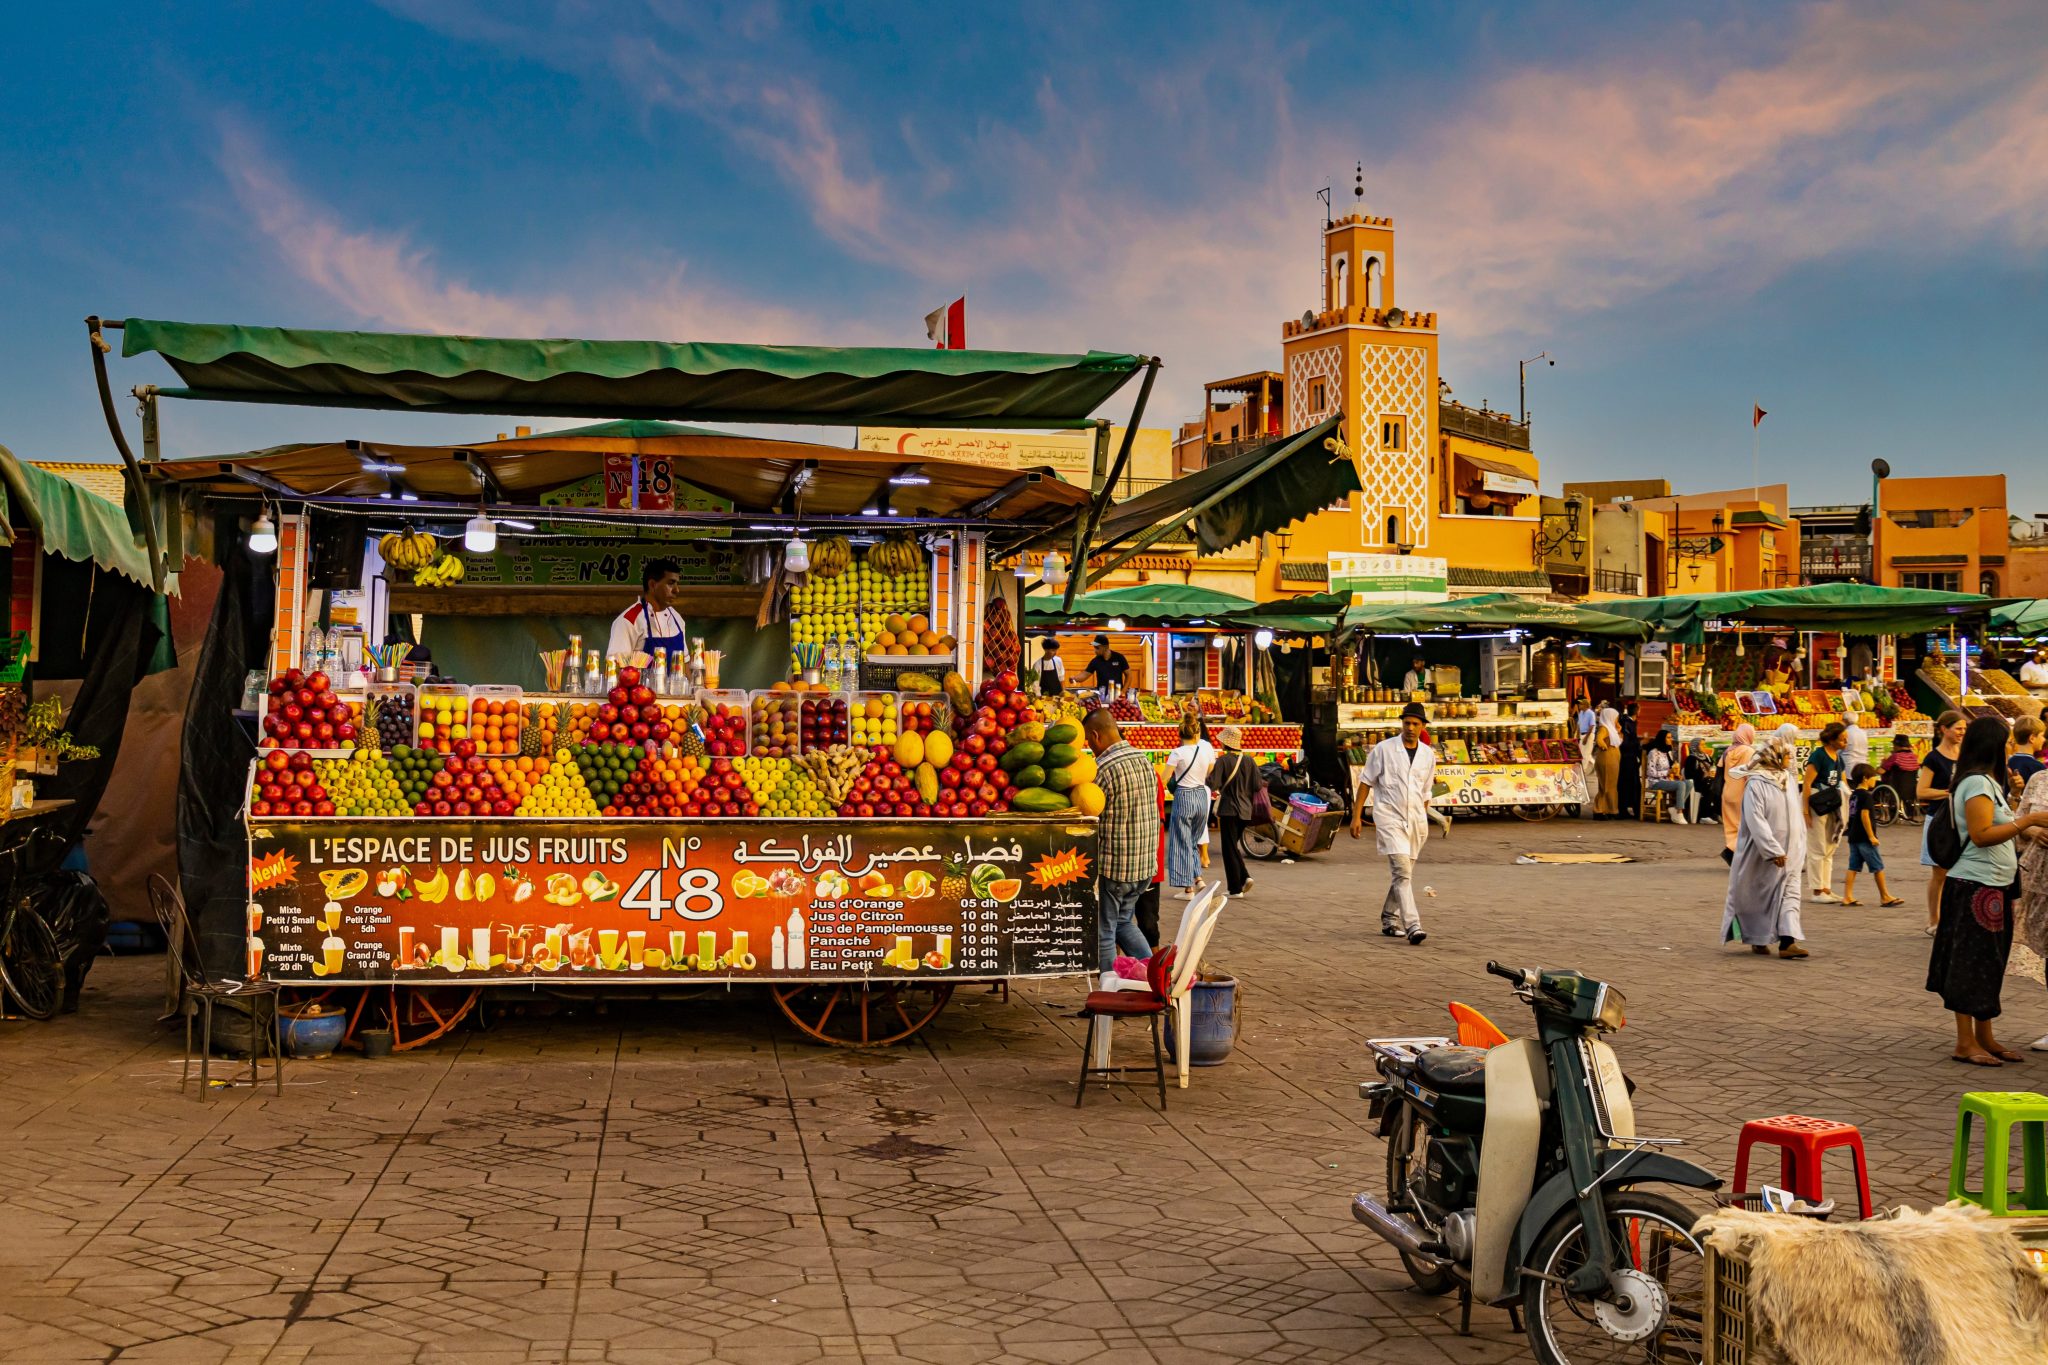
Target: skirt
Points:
(1966, 966)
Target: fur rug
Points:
(1945, 1287)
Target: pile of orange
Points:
(494, 725)
(518, 775)
(581, 713)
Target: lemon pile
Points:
(762, 775)
(873, 722)
(560, 792)
(362, 784)
(880, 588)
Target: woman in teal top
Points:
(1974, 938)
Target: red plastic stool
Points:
(1800, 1141)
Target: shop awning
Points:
(1148, 604)
(2028, 617)
(757, 476)
(72, 523)
(683, 381)
(1497, 612)
(1856, 608)
(1316, 613)
(1506, 478)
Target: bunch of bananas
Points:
(897, 554)
(413, 550)
(448, 569)
(830, 557)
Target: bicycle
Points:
(31, 963)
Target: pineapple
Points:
(953, 885)
(691, 745)
(529, 733)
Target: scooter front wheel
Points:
(1656, 1307)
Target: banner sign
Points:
(555, 903)
(599, 561)
(1504, 784)
(1389, 578)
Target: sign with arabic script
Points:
(557, 903)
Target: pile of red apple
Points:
(465, 786)
(630, 714)
(709, 787)
(973, 784)
(885, 789)
(724, 730)
(304, 713)
(287, 785)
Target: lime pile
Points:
(362, 784)
(605, 768)
(797, 794)
(561, 792)
(415, 769)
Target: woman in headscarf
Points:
(2030, 913)
(1734, 773)
(1607, 764)
(1770, 857)
(1631, 798)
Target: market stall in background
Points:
(828, 780)
(1490, 673)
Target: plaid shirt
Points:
(1128, 846)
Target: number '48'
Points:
(697, 895)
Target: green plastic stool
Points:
(2002, 1111)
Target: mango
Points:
(1061, 755)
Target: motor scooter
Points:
(1516, 1177)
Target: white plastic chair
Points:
(1185, 968)
(1204, 906)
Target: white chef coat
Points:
(1401, 785)
(631, 627)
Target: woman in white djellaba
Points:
(1770, 855)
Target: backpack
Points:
(1945, 837)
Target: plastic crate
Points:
(875, 729)
(391, 698)
(433, 700)
(510, 718)
(737, 699)
(763, 710)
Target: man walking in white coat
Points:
(1400, 772)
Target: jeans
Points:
(1398, 910)
(1230, 830)
(1679, 789)
(1823, 837)
(1116, 924)
(1187, 819)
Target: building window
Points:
(1317, 401)
(1930, 518)
(1393, 530)
(1987, 583)
(1394, 434)
(1340, 292)
(1933, 582)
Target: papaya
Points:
(959, 693)
(1062, 734)
(1030, 775)
(938, 748)
(1022, 756)
(909, 749)
(1062, 755)
(927, 783)
(1061, 779)
(1083, 768)
(1088, 798)
(1037, 801)
(916, 682)
(1030, 730)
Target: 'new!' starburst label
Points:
(279, 869)
(1058, 869)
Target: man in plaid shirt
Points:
(1127, 851)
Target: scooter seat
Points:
(1453, 1070)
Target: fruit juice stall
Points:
(846, 805)
(1510, 748)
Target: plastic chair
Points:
(196, 995)
(1146, 1004)
(2002, 1111)
(1474, 1028)
(1190, 966)
(1801, 1141)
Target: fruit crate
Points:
(881, 724)
(497, 713)
(397, 712)
(734, 702)
(438, 700)
(774, 724)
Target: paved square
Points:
(684, 1182)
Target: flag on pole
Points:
(947, 327)
(1756, 416)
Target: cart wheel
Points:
(863, 1015)
(1536, 813)
(420, 1014)
(1257, 842)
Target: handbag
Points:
(1825, 801)
(1262, 804)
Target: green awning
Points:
(1855, 608)
(1148, 604)
(2028, 617)
(73, 523)
(1496, 612)
(1315, 613)
(684, 381)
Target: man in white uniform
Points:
(1400, 771)
(652, 621)
(2034, 673)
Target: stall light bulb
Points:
(796, 557)
(1115, 623)
(1217, 642)
(1263, 638)
(480, 536)
(1055, 574)
(1738, 647)
(263, 535)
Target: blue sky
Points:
(1835, 210)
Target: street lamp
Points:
(1880, 470)
(1523, 368)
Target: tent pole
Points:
(143, 505)
(1099, 486)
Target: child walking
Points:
(1863, 854)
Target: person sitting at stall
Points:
(1052, 669)
(1108, 668)
(1658, 776)
(652, 622)
(1901, 771)
(1416, 679)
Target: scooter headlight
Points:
(1610, 1010)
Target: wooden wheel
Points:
(1536, 812)
(863, 1015)
(420, 1014)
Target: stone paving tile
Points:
(692, 1183)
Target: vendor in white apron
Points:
(1401, 774)
(652, 622)
(1052, 669)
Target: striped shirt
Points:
(1128, 834)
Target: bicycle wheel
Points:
(31, 972)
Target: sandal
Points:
(1895, 900)
(1852, 902)
(1975, 1059)
(2006, 1054)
